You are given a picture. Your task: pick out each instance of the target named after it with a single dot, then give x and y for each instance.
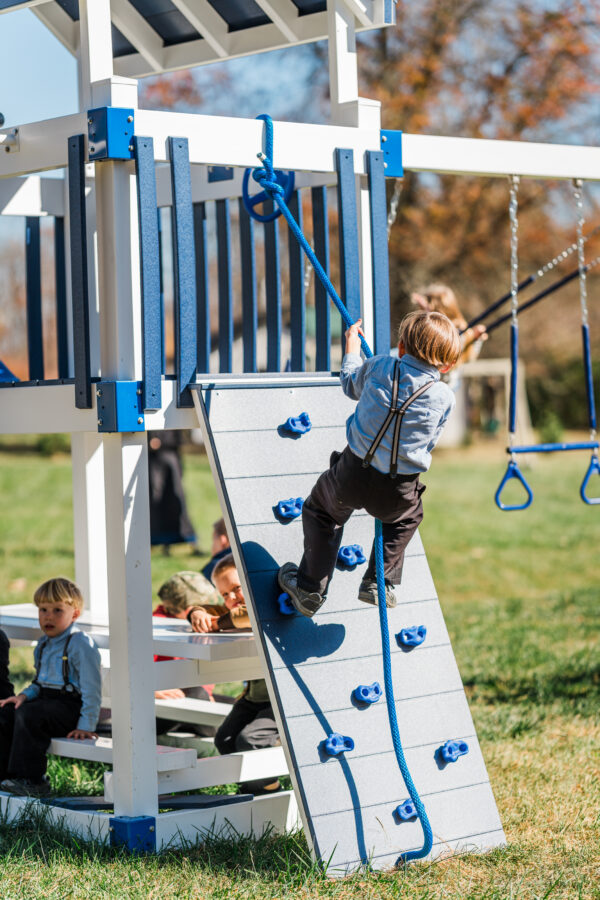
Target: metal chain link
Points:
(578, 195)
(514, 247)
(394, 201)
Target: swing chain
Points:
(578, 195)
(513, 210)
(514, 246)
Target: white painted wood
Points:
(42, 145)
(89, 526)
(95, 46)
(363, 11)
(168, 759)
(284, 14)
(118, 271)
(138, 32)
(278, 813)
(90, 825)
(207, 22)
(44, 409)
(213, 770)
(343, 68)
(199, 712)
(32, 196)
(59, 23)
(27, 4)
(130, 589)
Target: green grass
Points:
(520, 594)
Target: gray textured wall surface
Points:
(313, 665)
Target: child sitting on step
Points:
(251, 723)
(63, 699)
(402, 408)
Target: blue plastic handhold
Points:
(337, 743)
(513, 471)
(298, 424)
(367, 693)
(406, 811)
(290, 509)
(593, 469)
(285, 605)
(411, 637)
(453, 749)
(351, 555)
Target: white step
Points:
(101, 750)
(200, 712)
(215, 770)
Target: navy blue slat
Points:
(348, 228)
(60, 285)
(379, 252)
(202, 281)
(225, 293)
(33, 269)
(79, 273)
(249, 303)
(322, 318)
(150, 272)
(184, 268)
(297, 299)
(161, 275)
(273, 292)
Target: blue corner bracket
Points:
(391, 144)
(119, 405)
(110, 133)
(135, 833)
(6, 376)
(337, 743)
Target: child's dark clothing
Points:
(65, 695)
(6, 688)
(379, 384)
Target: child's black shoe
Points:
(303, 601)
(26, 787)
(367, 592)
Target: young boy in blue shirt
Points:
(63, 699)
(402, 408)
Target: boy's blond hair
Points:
(59, 590)
(224, 565)
(430, 336)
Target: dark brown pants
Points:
(343, 488)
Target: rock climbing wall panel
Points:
(348, 802)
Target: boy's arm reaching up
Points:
(354, 367)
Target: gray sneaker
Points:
(305, 602)
(26, 787)
(367, 592)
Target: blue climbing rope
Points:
(265, 176)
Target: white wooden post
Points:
(347, 108)
(127, 519)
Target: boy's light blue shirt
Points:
(370, 382)
(84, 672)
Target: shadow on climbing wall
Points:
(298, 641)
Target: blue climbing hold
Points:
(367, 693)
(406, 811)
(285, 605)
(290, 509)
(411, 637)
(351, 555)
(453, 749)
(337, 743)
(298, 424)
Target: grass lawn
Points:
(521, 594)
